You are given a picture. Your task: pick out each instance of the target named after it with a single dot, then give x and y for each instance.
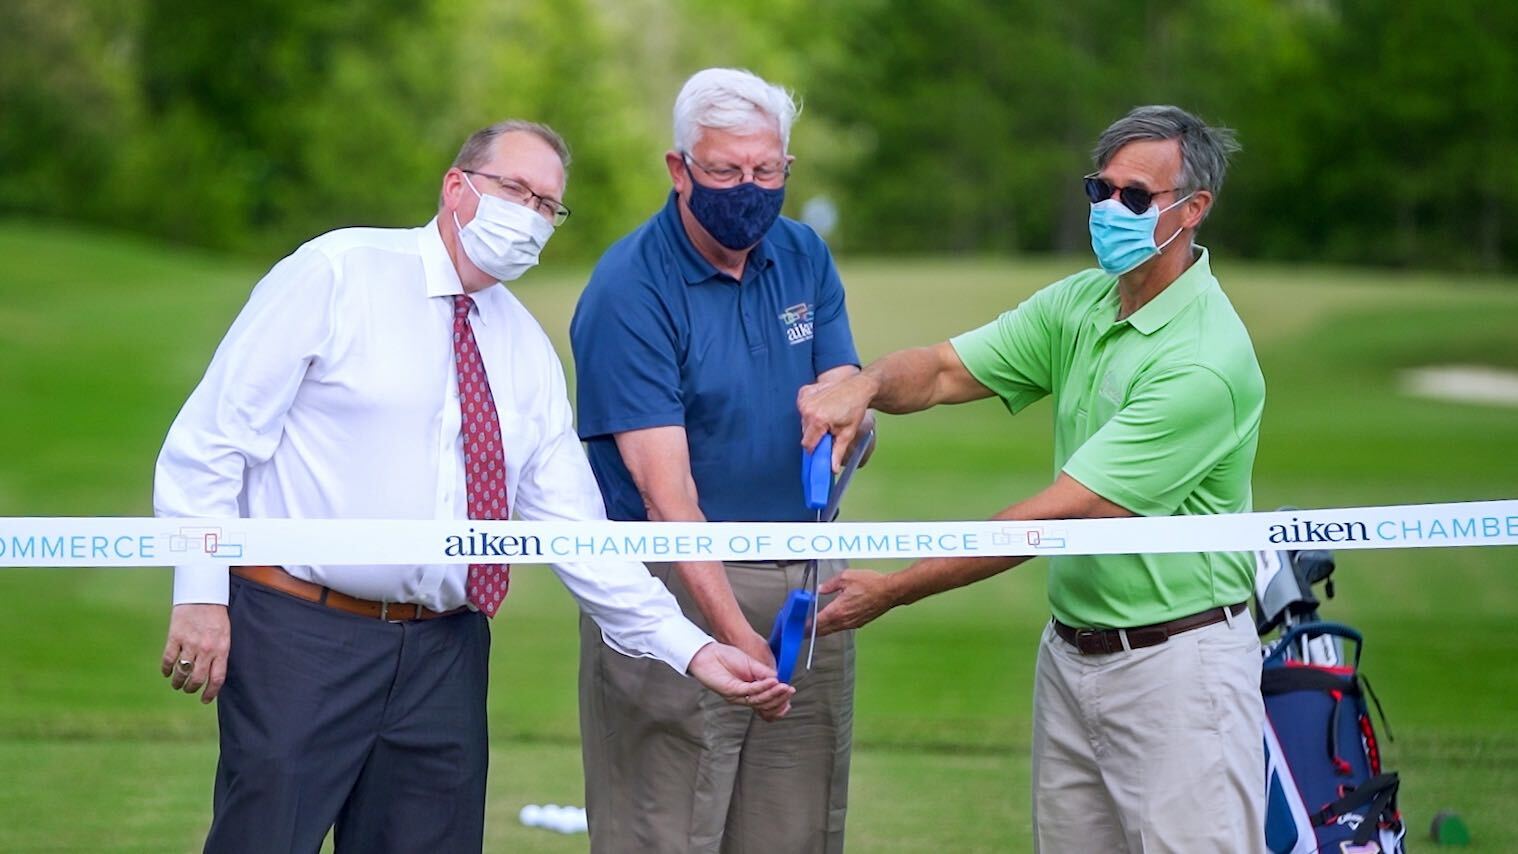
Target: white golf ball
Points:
(531, 815)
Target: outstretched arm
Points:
(659, 460)
(904, 381)
(864, 595)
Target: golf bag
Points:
(1325, 787)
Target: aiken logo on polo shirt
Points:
(798, 323)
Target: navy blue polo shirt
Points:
(661, 338)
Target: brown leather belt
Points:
(393, 612)
(1104, 641)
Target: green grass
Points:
(101, 338)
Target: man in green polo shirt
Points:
(1147, 711)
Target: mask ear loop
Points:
(480, 196)
(1161, 248)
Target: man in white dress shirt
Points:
(383, 373)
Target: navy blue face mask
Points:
(736, 217)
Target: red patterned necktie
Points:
(484, 456)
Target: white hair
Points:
(731, 99)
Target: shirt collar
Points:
(694, 267)
(1197, 280)
(437, 267)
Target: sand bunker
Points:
(1464, 383)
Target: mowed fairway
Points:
(101, 338)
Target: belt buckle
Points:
(1087, 638)
(385, 611)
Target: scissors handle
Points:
(817, 472)
(789, 631)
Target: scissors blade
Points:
(828, 514)
(861, 446)
(812, 644)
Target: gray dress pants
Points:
(331, 720)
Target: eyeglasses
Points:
(522, 195)
(770, 175)
(1136, 199)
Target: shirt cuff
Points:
(676, 643)
(827, 361)
(201, 584)
(1112, 490)
(594, 428)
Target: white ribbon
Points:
(118, 542)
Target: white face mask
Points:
(503, 239)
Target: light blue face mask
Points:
(1123, 239)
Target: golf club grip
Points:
(1311, 630)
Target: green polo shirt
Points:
(1159, 413)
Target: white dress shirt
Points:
(334, 395)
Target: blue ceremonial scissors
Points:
(824, 496)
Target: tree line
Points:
(1379, 132)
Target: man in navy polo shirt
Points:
(691, 342)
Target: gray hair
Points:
(1204, 150)
(476, 150)
(731, 99)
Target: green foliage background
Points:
(1375, 131)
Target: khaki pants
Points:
(671, 769)
(1152, 750)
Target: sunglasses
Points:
(1135, 199)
